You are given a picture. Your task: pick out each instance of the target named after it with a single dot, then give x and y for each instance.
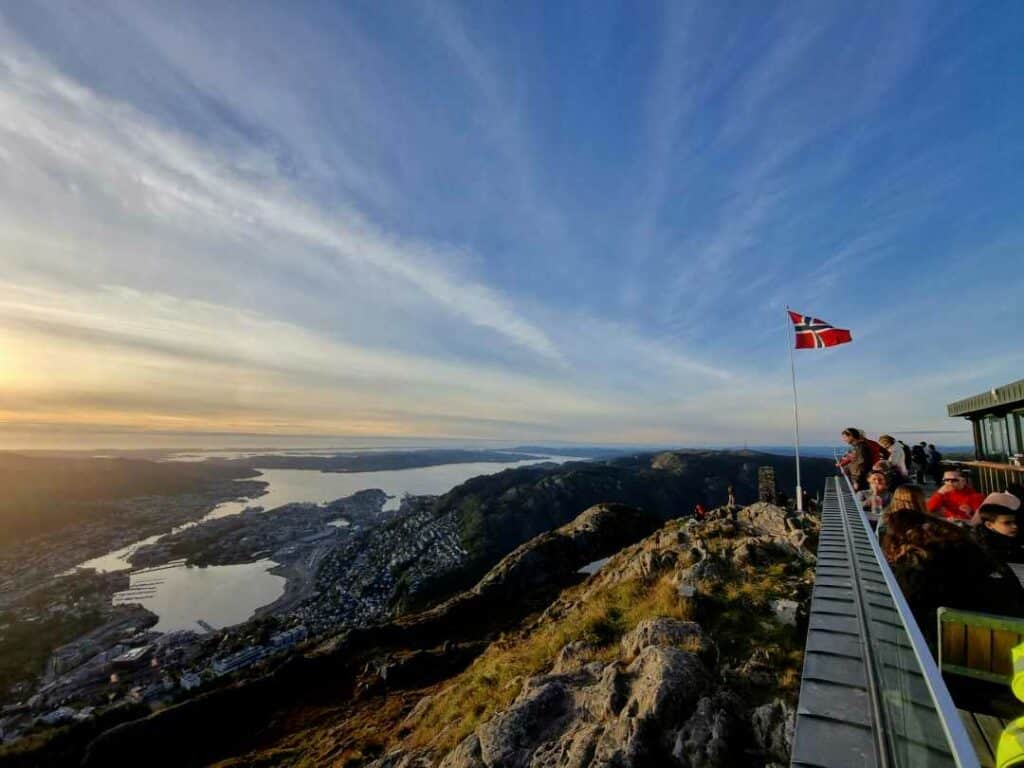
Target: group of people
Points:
(952, 548)
(895, 457)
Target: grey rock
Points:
(572, 658)
(785, 611)
(510, 737)
(772, 725)
(667, 682)
(466, 755)
(764, 518)
(708, 737)
(667, 632)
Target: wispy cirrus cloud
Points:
(113, 155)
(477, 221)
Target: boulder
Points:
(772, 725)
(663, 631)
(666, 683)
(510, 737)
(708, 738)
(764, 518)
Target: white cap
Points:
(1007, 501)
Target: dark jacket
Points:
(1005, 549)
(956, 575)
(860, 464)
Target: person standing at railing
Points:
(920, 459)
(858, 460)
(897, 458)
(955, 500)
(934, 463)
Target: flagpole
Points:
(796, 411)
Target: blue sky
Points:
(504, 221)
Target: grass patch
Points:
(739, 620)
(493, 681)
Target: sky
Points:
(484, 221)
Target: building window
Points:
(994, 438)
(1014, 424)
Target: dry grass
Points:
(491, 683)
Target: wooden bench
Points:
(979, 646)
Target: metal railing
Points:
(914, 716)
(911, 715)
(990, 476)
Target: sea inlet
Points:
(213, 597)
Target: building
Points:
(997, 419)
(997, 423)
(289, 637)
(132, 658)
(238, 660)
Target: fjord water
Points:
(225, 595)
(219, 595)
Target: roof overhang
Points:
(997, 397)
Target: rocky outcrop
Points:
(614, 714)
(671, 691)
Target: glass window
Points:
(1013, 423)
(993, 436)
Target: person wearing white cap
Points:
(998, 531)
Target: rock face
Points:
(666, 693)
(614, 714)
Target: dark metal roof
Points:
(996, 398)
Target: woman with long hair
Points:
(938, 564)
(909, 497)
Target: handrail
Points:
(956, 735)
(989, 465)
(873, 681)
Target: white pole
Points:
(791, 339)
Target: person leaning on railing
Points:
(955, 499)
(897, 455)
(859, 459)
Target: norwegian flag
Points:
(812, 333)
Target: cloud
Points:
(55, 127)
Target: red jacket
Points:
(948, 504)
(877, 452)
